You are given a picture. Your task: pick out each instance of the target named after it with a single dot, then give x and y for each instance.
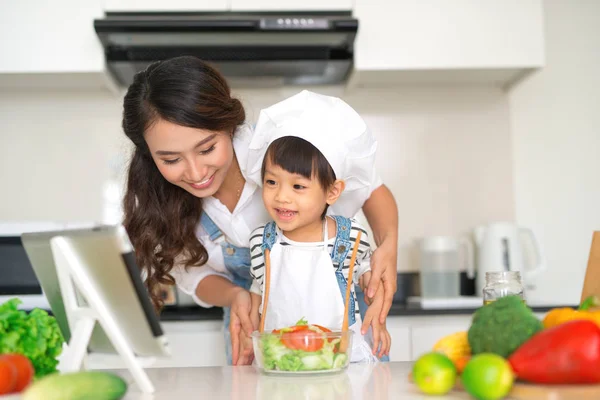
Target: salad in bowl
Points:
(302, 348)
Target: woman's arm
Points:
(216, 290)
(220, 292)
(381, 212)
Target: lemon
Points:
(434, 373)
(488, 376)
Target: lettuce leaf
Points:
(36, 335)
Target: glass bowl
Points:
(302, 352)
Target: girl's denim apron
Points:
(237, 262)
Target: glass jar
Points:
(501, 284)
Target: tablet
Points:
(108, 260)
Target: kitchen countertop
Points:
(382, 381)
(197, 313)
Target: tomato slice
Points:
(295, 328)
(8, 376)
(321, 327)
(303, 337)
(23, 367)
(305, 340)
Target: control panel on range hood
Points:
(291, 48)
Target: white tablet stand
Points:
(73, 279)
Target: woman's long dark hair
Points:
(161, 218)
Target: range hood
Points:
(248, 48)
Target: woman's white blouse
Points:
(248, 215)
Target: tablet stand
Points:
(82, 319)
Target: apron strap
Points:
(344, 342)
(267, 281)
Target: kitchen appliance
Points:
(249, 48)
(441, 260)
(505, 246)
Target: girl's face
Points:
(294, 202)
(196, 160)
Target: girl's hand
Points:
(383, 269)
(382, 340)
(240, 320)
(363, 282)
(246, 354)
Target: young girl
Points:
(308, 253)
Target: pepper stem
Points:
(589, 302)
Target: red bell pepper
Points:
(565, 354)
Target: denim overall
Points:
(342, 245)
(237, 262)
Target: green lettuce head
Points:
(36, 335)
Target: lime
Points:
(434, 373)
(488, 377)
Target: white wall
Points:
(56, 148)
(555, 125)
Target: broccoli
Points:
(502, 326)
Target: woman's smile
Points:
(204, 184)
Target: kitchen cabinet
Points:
(291, 5)
(413, 336)
(192, 344)
(50, 37)
(424, 337)
(161, 5)
(400, 334)
(439, 40)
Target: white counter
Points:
(383, 381)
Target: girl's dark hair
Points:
(161, 218)
(298, 156)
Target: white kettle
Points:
(504, 246)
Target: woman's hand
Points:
(240, 321)
(383, 270)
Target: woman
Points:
(189, 209)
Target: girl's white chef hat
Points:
(334, 128)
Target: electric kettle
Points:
(504, 246)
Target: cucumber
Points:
(88, 385)
(340, 360)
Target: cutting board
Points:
(591, 283)
(526, 391)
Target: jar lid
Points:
(503, 275)
(440, 243)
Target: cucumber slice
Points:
(340, 360)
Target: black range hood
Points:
(289, 48)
